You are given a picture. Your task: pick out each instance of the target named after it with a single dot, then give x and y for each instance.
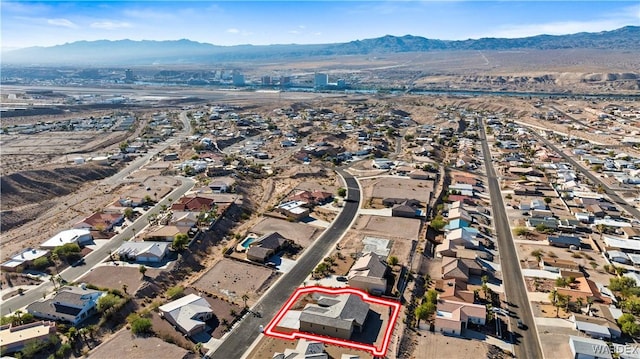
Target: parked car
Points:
(521, 325)
(342, 279)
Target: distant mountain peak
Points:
(140, 52)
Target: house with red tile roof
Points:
(101, 221)
(194, 204)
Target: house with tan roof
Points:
(164, 233)
(453, 316)
(556, 264)
(454, 290)
(15, 338)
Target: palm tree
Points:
(589, 303)
(124, 288)
(567, 304)
(142, 269)
(53, 280)
(71, 334)
(17, 317)
(91, 330)
(55, 258)
(580, 303)
(554, 301)
(245, 297)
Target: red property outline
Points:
(270, 329)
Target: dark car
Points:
(341, 279)
(521, 325)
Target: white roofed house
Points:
(146, 251)
(78, 236)
(188, 313)
(23, 260)
(583, 348)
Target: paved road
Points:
(527, 343)
(71, 274)
(593, 178)
(246, 332)
(142, 160)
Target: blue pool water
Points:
(247, 242)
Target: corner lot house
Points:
(188, 313)
(70, 304)
(335, 316)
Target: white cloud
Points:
(611, 21)
(233, 31)
(148, 14)
(110, 25)
(295, 32)
(62, 22)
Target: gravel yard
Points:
(232, 279)
(389, 227)
(125, 344)
(115, 277)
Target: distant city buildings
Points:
(237, 79)
(129, 77)
(320, 80)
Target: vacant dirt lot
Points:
(115, 277)
(392, 187)
(125, 344)
(434, 345)
(232, 279)
(389, 227)
(555, 341)
(300, 233)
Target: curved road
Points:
(527, 343)
(237, 341)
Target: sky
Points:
(48, 23)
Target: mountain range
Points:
(128, 52)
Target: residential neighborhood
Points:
(508, 233)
